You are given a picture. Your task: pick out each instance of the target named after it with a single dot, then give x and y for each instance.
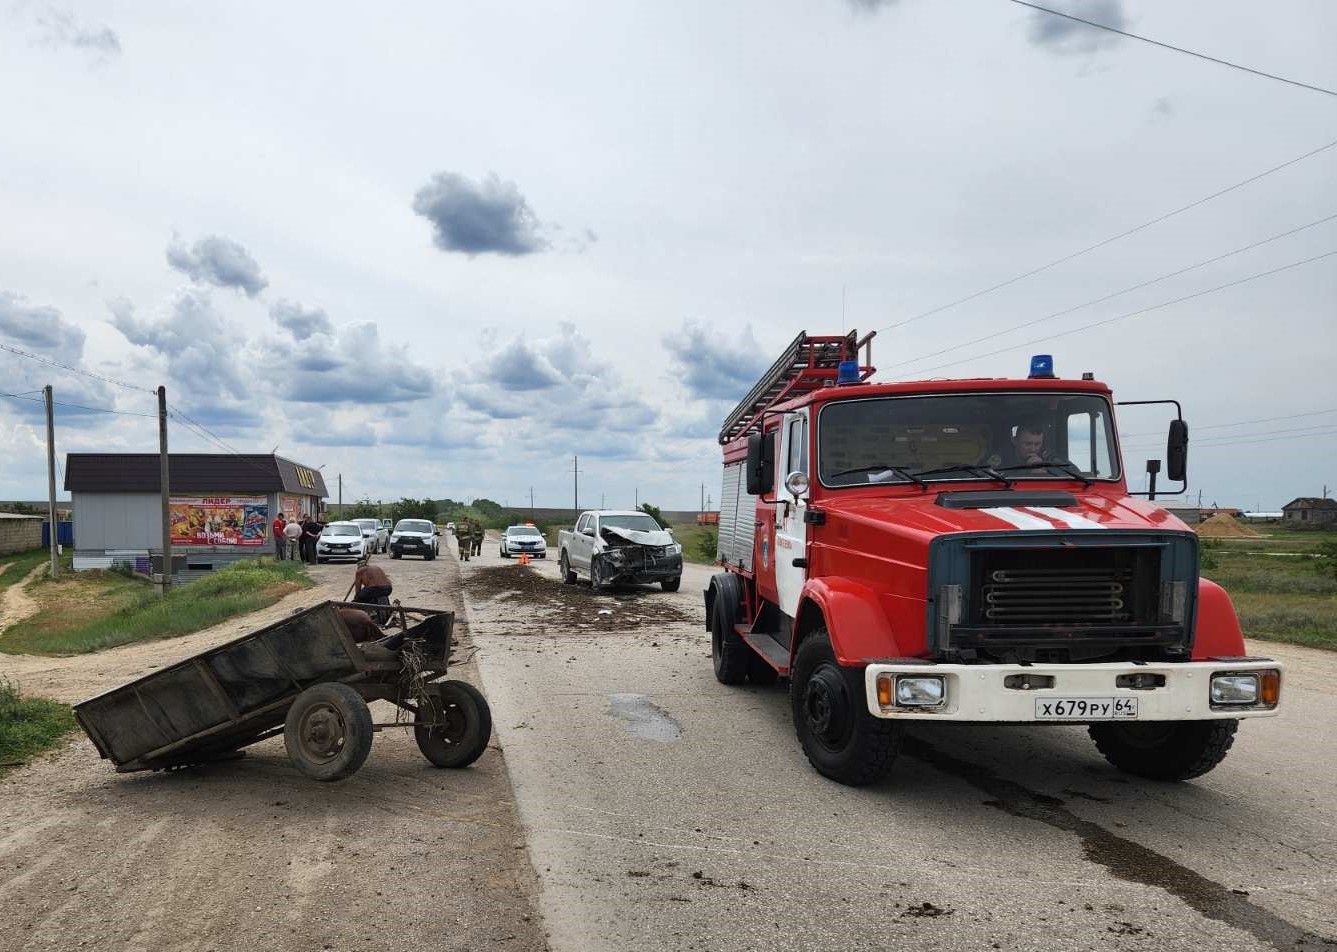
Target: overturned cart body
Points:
(304, 677)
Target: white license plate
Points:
(1085, 708)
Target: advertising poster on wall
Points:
(291, 507)
(220, 520)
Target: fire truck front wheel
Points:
(729, 652)
(840, 738)
(1165, 750)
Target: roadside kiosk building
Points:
(222, 506)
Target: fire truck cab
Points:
(966, 551)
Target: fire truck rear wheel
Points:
(730, 654)
(840, 738)
(1166, 750)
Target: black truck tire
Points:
(1165, 750)
(671, 584)
(840, 738)
(598, 580)
(468, 726)
(328, 731)
(564, 569)
(730, 653)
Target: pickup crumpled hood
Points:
(659, 537)
(921, 512)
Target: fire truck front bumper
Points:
(1075, 693)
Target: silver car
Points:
(375, 533)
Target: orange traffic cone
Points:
(524, 558)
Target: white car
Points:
(414, 537)
(341, 540)
(377, 536)
(523, 540)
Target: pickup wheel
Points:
(328, 731)
(730, 653)
(457, 731)
(1165, 750)
(598, 575)
(671, 584)
(564, 570)
(840, 738)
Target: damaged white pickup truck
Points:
(616, 547)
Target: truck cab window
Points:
(796, 460)
(1089, 444)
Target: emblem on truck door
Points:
(766, 553)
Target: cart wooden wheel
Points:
(464, 724)
(328, 731)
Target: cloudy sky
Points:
(441, 248)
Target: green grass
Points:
(1309, 620)
(29, 726)
(13, 568)
(90, 611)
(1278, 589)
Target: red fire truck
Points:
(966, 551)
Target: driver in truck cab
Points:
(1027, 445)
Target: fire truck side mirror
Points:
(760, 463)
(1176, 451)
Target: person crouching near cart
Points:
(373, 588)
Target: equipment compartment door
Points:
(791, 532)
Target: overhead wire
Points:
(1139, 311)
(74, 370)
(74, 406)
(1177, 49)
(1113, 238)
(1221, 426)
(1115, 294)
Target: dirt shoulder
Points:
(251, 854)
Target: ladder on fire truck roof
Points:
(808, 363)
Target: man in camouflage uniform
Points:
(476, 536)
(462, 539)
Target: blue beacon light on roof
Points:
(1042, 366)
(847, 372)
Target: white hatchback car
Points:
(341, 540)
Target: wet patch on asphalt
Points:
(1129, 861)
(559, 609)
(644, 719)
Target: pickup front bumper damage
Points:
(639, 564)
(1031, 693)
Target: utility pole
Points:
(165, 579)
(638, 497)
(51, 477)
(703, 497)
(341, 495)
(575, 477)
(531, 500)
(603, 499)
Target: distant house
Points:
(1310, 511)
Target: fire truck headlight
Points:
(919, 691)
(1235, 689)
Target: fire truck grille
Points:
(1061, 596)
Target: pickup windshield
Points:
(413, 525)
(639, 523)
(1054, 436)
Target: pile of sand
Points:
(1222, 526)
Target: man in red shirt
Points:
(280, 543)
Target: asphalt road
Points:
(664, 810)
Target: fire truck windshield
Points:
(1055, 436)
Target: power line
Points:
(1123, 234)
(1246, 438)
(1143, 310)
(74, 406)
(1221, 426)
(1109, 297)
(1177, 49)
(74, 370)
